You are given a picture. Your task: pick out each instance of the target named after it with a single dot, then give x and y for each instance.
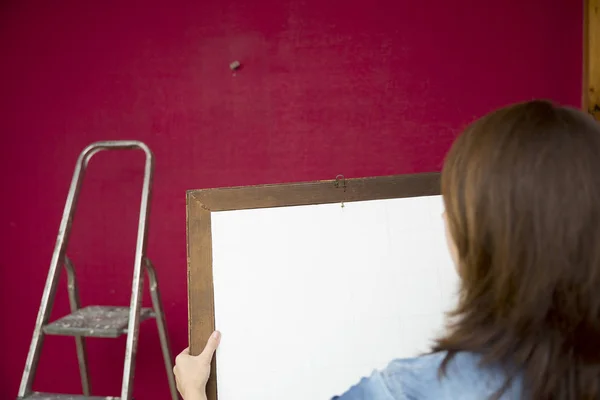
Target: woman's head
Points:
(521, 188)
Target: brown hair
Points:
(521, 188)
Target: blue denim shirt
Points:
(418, 378)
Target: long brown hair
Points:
(521, 188)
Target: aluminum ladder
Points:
(99, 321)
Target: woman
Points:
(521, 188)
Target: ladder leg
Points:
(35, 348)
(162, 328)
(79, 340)
(133, 331)
(133, 325)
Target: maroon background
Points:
(351, 87)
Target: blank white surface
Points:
(309, 299)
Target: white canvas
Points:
(309, 299)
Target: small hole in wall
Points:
(235, 66)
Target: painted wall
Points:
(355, 88)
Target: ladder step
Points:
(50, 396)
(95, 321)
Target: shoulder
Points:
(419, 377)
(464, 377)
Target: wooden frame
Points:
(591, 57)
(201, 204)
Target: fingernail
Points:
(216, 335)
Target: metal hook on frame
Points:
(340, 182)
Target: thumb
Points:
(211, 346)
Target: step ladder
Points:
(99, 321)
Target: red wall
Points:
(347, 87)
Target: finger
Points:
(182, 355)
(211, 346)
(177, 384)
(185, 352)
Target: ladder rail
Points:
(138, 278)
(58, 255)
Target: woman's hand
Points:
(192, 372)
